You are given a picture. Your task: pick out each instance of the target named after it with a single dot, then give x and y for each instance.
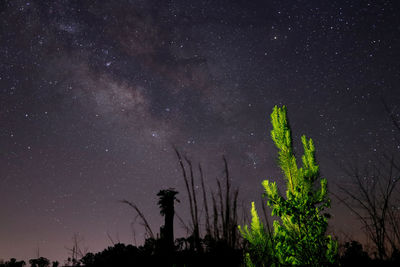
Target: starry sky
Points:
(94, 94)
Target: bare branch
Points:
(145, 223)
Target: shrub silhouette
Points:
(13, 263)
(39, 262)
(354, 255)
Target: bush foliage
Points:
(299, 237)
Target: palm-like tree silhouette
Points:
(166, 203)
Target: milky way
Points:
(95, 95)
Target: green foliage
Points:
(299, 236)
(259, 241)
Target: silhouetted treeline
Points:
(150, 254)
(355, 255)
(37, 262)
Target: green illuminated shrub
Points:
(260, 250)
(299, 236)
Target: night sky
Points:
(94, 94)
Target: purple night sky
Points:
(94, 94)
